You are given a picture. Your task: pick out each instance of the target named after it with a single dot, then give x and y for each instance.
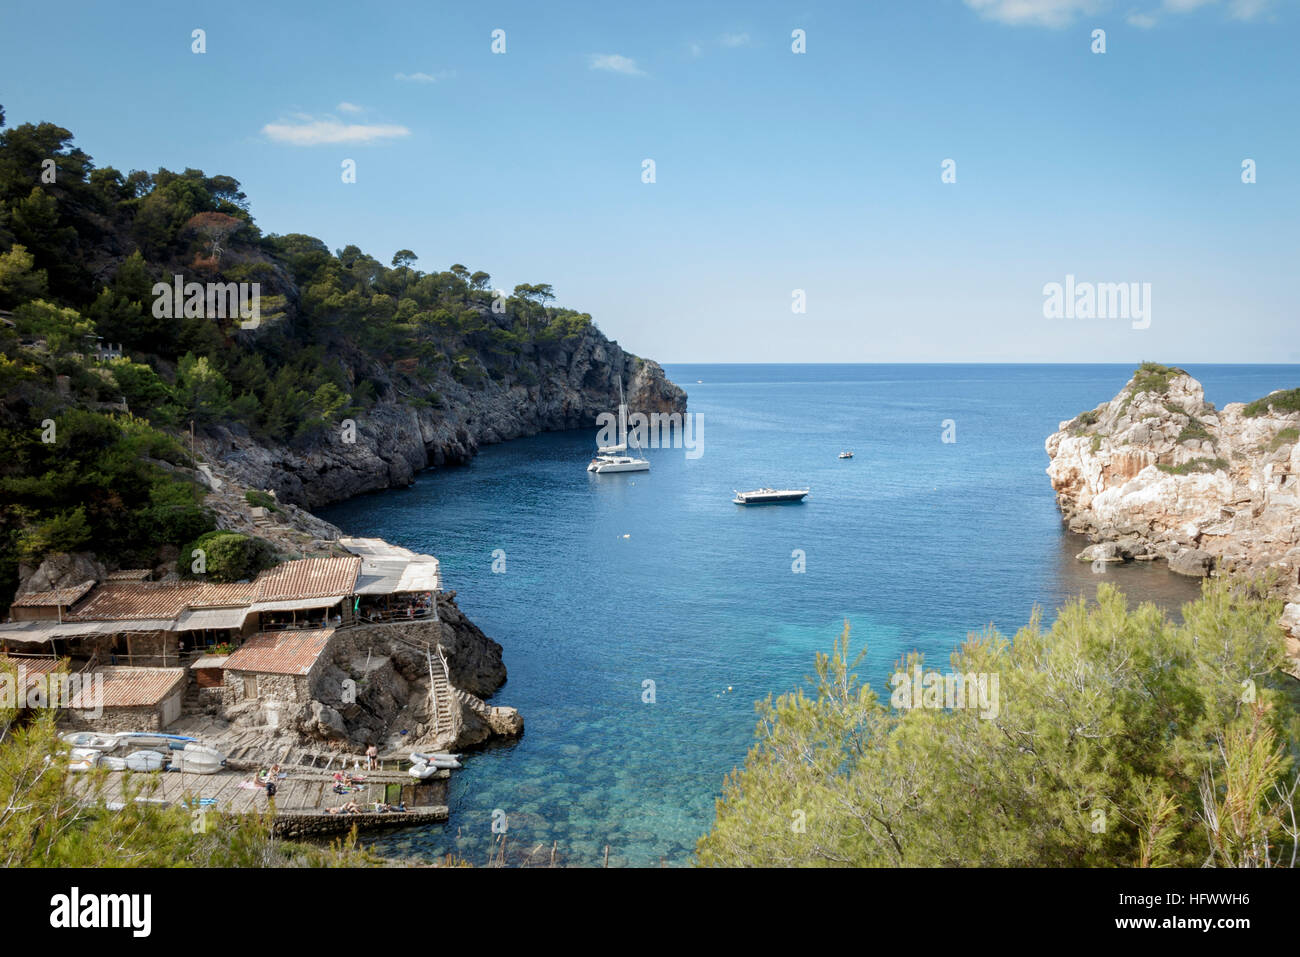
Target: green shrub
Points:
(259, 499)
(1194, 466)
(1126, 716)
(1285, 437)
(1287, 400)
(1154, 377)
(226, 557)
(1194, 429)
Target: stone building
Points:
(131, 699)
(276, 666)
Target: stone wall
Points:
(143, 718)
(292, 825)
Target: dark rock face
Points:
(62, 570)
(397, 438)
(473, 659)
(387, 671)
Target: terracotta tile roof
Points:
(55, 596)
(129, 575)
(216, 595)
(308, 578)
(280, 652)
(114, 601)
(32, 669)
(125, 687)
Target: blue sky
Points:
(774, 171)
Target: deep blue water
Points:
(612, 580)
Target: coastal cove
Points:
(611, 581)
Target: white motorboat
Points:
(771, 496)
(90, 739)
(847, 454)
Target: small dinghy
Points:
(437, 759)
(422, 771)
(90, 739)
(199, 759)
(155, 739)
(145, 761)
(421, 757)
(112, 763)
(83, 759)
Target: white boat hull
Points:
(771, 496)
(199, 759)
(91, 739)
(145, 761)
(631, 465)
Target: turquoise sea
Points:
(611, 581)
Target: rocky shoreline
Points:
(385, 446)
(1158, 473)
(393, 440)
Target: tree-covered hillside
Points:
(90, 441)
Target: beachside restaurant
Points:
(394, 583)
(302, 614)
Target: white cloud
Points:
(425, 77)
(615, 63)
(1143, 20)
(1248, 9)
(735, 39)
(695, 50)
(1186, 6)
(329, 130)
(1042, 13)
(346, 107)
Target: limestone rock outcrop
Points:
(1158, 472)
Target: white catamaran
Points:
(614, 458)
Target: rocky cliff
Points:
(404, 433)
(1159, 473)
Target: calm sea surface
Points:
(614, 580)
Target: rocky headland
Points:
(1158, 473)
(445, 423)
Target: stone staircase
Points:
(442, 691)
